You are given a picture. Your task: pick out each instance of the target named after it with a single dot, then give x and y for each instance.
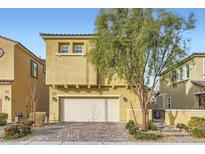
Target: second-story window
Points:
(174, 76)
(64, 48)
(180, 74)
(78, 48)
(169, 102)
(187, 71)
(34, 69)
(203, 67)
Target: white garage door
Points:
(89, 109)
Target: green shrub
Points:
(38, 117)
(198, 132)
(181, 126)
(30, 122)
(18, 130)
(146, 136)
(196, 122)
(3, 118)
(130, 124)
(152, 127)
(132, 130)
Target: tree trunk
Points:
(133, 112)
(144, 120)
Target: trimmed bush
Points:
(18, 130)
(146, 136)
(130, 124)
(38, 117)
(3, 118)
(152, 127)
(132, 130)
(196, 122)
(198, 132)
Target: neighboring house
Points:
(21, 73)
(77, 91)
(185, 86)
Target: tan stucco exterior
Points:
(73, 75)
(182, 93)
(16, 81)
(172, 117)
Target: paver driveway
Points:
(82, 132)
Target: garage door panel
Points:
(89, 109)
(85, 110)
(113, 110)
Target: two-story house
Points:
(184, 86)
(22, 76)
(77, 91)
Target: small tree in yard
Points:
(33, 95)
(137, 45)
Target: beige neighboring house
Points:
(77, 92)
(185, 88)
(21, 73)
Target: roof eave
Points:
(181, 62)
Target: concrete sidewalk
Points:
(92, 143)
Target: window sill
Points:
(182, 80)
(70, 54)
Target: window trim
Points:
(180, 68)
(31, 61)
(203, 71)
(74, 48)
(60, 48)
(186, 71)
(174, 77)
(167, 106)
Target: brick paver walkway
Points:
(82, 132)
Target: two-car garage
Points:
(89, 109)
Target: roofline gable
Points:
(23, 47)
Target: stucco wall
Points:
(172, 117)
(23, 84)
(182, 93)
(124, 106)
(7, 61)
(73, 69)
(5, 90)
(68, 69)
(197, 73)
(138, 115)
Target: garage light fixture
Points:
(125, 99)
(6, 98)
(54, 99)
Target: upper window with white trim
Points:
(169, 101)
(180, 74)
(78, 48)
(203, 68)
(187, 71)
(34, 69)
(64, 48)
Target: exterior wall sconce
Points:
(54, 99)
(125, 99)
(6, 98)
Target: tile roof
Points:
(8, 39)
(200, 83)
(54, 34)
(19, 43)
